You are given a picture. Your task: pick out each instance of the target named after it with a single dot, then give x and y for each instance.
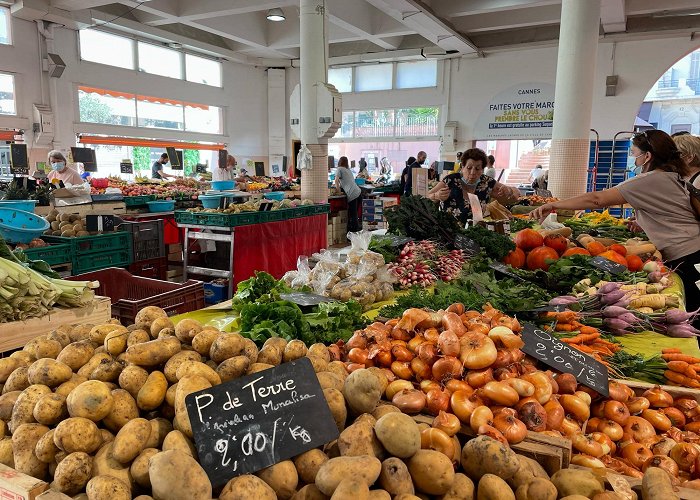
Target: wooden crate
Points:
(15, 335)
(675, 391)
(97, 208)
(17, 486)
(551, 452)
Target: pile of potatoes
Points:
(99, 412)
(66, 225)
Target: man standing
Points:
(535, 174)
(490, 170)
(157, 168)
(406, 175)
(362, 164)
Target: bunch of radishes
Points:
(422, 263)
(449, 266)
(413, 273)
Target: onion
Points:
(503, 358)
(575, 407)
(358, 355)
(587, 461)
(477, 351)
(609, 447)
(409, 401)
(675, 416)
(482, 415)
(684, 454)
(492, 432)
(593, 424)
(437, 440)
(351, 367)
(448, 343)
(664, 446)
(569, 426)
(382, 358)
(421, 369)
(584, 396)
(567, 383)
(479, 378)
(662, 462)
(618, 392)
(534, 416)
(463, 404)
(512, 429)
(522, 387)
(402, 370)
(431, 335)
(436, 401)
(586, 444)
(402, 353)
(358, 340)
(658, 398)
(499, 393)
(427, 352)
(395, 387)
(454, 384)
(617, 412)
(688, 406)
(446, 368)
(448, 423)
(505, 337)
(639, 429)
(611, 429)
(504, 373)
(428, 385)
(637, 405)
(415, 342)
(636, 454)
(555, 414)
(656, 418)
(543, 387)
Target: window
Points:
(160, 115)
(348, 126)
(160, 60)
(7, 95)
(98, 106)
(5, 32)
(202, 70)
(408, 122)
(206, 119)
(412, 75)
(104, 48)
(416, 122)
(374, 123)
(374, 77)
(341, 79)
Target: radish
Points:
(564, 300)
(617, 324)
(677, 316)
(614, 311)
(609, 287)
(623, 302)
(656, 276)
(612, 297)
(682, 331)
(651, 266)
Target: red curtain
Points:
(275, 246)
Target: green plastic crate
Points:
(323, 208)
(53, 255)
(101, 260)
(219, 219)
(85, 245)
(276, 215)
(138, 201)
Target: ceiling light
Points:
(276, 15)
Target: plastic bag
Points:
(303, 272)
(321, 282)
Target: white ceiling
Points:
(238, 29)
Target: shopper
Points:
(402, 180)
(362, 164)
(157, 168)
(407, 177)
(534, 174)
(225, 173)
(452, 191)
(363, 173)
(490, 170)
(542, 181)
(61, 171)
(662, 205)
(432, 172)
(345, 181)
(689, 146)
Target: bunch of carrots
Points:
(585, 338)
(682, 369)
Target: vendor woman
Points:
(662, 205)
(452, 191)
(61, 171)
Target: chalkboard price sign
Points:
(467, 244)
(608, 265)
(546, 348)
(126, 168)
(503, 269)
(305, 298)
(19, 163)
(253, 422)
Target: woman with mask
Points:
(662, 205)
(689, 146)
(452, 192)
(61, 171)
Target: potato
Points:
(139, 467)
(160, 427)
(170, 368)
(132, 379)
(177, 476)
(309, 492)
(107, 488)
(108, 370)
(159, 324)
(395, 478)
(330, 380)
(250, 350)
(225, 346)
(77, 434)
(247, 487)
(80, 332)
(76, 354)
(170, 395)
(148, 315)
(43, 348)
(99, 333)
(399, 434)
(154, 352)
(152, 393)
(45, 449)
(203, 340)
(484, 455)
(18, 380)
(308, 463)
(187, 329)
(49, 372)
(187, 385)
(198, 368)
(97, 358)
(349, 489)
(319, 365)
(359, 439)
(23, 409)
(137, 337)
(7, 403)
(362, 391)
(232, 368)
(258, 367)
(432, 471)
(294, 349)
(319, 350)
(338, 368)
(176, 440)
(336, 403)
(124, 409)
(50, 409)
(91, 399)
(382, 409)
(107, 437)
(60, 336)
(6, 455)
(7, 366)
(4, 431)
(332, 472)
(73, 473)
(130, 440)
(492, 487)
(282, 477)
(528, 470)
(115, 341)
(537, 489)
(166, 333)
(105, 465)
(24, 441)
(66, 387)
(462, 489)
(577, 482)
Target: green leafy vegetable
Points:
(420, 218)
(335, 320)
(385, 247)
(494, 244)
(262, 287)
(260, 321)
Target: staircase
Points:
(521, 173)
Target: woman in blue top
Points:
(345, 181)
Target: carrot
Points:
(671, 350)
(584, 348)
(565, 327)
(566, 316)
(682, 367)
(680, 357)
(588, 330)
(681, 379)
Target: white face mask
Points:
(637, 169)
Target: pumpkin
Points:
(516, 258)
(634, 263)
(596, 248)
(616, 247)
(527, 239)
(539, 257)
(557, 241)
(615, 257)
(576, 251)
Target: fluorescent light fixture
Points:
(276, 15)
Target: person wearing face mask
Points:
(61, 171)
(406, 177)
(661, 202)
(689, 146)
(452, 192)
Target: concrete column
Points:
(573, 97)
(313, 50)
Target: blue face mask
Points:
(58, 166)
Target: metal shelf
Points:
(224, 234)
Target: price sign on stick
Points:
(126, 168)
(253, 422)
(477, 212)
(546, 348)
(608, 265)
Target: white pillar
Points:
(573, 97)
(313, 50)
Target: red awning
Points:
(127, 95)
(149, 143)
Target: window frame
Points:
(13, 76)
(10, 34)
(353, 137)
(179, 53)
(134, 50)
(185, 53)
(394, 77)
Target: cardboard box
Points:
(175, 248)
(175, 257)
(17, 486)
(53, 495)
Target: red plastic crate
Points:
(131, 293)
(150, 268)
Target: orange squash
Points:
(614, 256)
(576, 251)
(516, 258)
(634, 263)
(616, 247)
(557, 241)
(527, 239)
(596, 248)
(539, 257)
